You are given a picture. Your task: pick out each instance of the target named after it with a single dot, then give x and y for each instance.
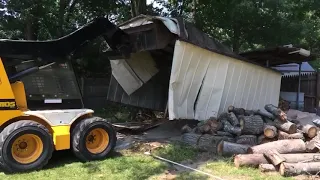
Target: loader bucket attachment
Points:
(52, 50)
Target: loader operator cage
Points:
(53, 87)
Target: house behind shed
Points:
(175, 65)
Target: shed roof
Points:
(279, 55)
(189, 33)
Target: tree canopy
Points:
(240, 24)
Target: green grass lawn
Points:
(134, 165)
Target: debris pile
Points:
(270, 140)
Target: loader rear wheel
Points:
(25, 146)
(93, 139)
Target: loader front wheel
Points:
(25, 146)
(93, 139)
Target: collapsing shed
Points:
(203, 76)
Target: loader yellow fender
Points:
(61, 137)
(27, 148)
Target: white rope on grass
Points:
(187, 167)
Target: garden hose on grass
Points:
(178, 164)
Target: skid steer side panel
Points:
(8, 106)
(61, 137)
(61, 121)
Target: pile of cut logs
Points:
(265, 139)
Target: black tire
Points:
(81, 131)
(13, 131)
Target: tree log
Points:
(274, 157)
(186, 129)
(209, 126)
(310, 130)
(249, 160)
(311, 147)
(222, 133)
(262, 139)
(286, 126)
(232, 118)
(282, 146)
(227, 127)
(267, 168)
(284, 135)
(253, 160)
(294, 169)
(277, 112)
(247, 139)
(251, 125)
(229, 149)
(260, 113)
(270, 131)
(204, 142)
(236, 111)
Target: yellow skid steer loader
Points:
(28, 138)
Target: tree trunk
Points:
(247, 139)
(253, 160)
(277, 112)
(270, 131)
(251, 125)
(225, 148)
(274, 157)
(310, 130)
(294, 169)
(204, 142)
(267, 168)
(286, 126)
(282, 146)
(260, 113)
(138, 7)
(227, 127)
(62, 9)
(236, 111)
(284, 135)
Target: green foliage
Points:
(241, 24)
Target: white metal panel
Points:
(143, 65)
(132, 73)
(219, 81)
(125, 76)
(188, 72)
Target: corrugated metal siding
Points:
(203, 84)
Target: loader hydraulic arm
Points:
(53, 50)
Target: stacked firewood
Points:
(259, 138)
